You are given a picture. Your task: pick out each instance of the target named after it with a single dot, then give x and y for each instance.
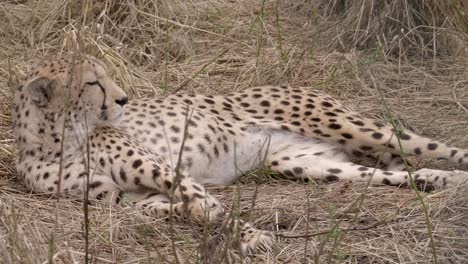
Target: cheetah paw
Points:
(206, 211)
(255, 239)
(441, 179)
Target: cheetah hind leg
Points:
(391, 162)
(309, 166)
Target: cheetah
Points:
(77, 131)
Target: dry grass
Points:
(155, 47)
(423, 29)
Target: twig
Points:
(457, 101)
(410, 176)
(331, 230)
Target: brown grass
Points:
(215, 46)
(423, 29)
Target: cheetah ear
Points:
(41, 90)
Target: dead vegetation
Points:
(411, 55)
(420, 29)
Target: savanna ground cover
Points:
(400, 60)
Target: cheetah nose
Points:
(122, 101)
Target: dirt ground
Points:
(154, 48)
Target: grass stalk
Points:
(410, 176)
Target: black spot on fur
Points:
(377, 135)
(417, 151)
(327, 104)
(216, 151)
(298, 170)
(95, 184)
(123, 175)
(336, 171)
(175, 129)
(404, 136)
(358, 123)
(156, 173)
(296, 123)
(101, 195)
(379, 124)
(332, 178)
(347, 135)
(137, 163)
(136, 181)
(209, 101)
(168, 184)
(366, 148)
(334, 126)
(357, 153)
(432, 146)
(426, 186)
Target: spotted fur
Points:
(72, 122)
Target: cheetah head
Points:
(79, 89)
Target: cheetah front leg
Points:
(250, 238)
(149, 175)
(157, 204)
(70, 180)
(189, 200)
(163, 191)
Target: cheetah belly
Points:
(246, 154)
(234, 156)
(252, 152)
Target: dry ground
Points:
(215, 46)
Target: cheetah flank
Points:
(66, 109)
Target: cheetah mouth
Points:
(108, 116)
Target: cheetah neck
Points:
(48, 132)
